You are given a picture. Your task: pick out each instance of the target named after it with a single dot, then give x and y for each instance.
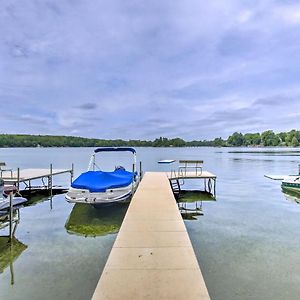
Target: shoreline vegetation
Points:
(265, 139)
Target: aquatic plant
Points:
(9, 251)
(87, 221)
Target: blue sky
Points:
(142, 69)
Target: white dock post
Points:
(10, 217)
(132, 185)
(72, 173)
(18, 182)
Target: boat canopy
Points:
(98, 181)
(116, 149)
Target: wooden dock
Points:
(152, 257)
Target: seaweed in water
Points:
(9, 252)
(195, 196)
(88, 221)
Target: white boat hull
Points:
(98, 198)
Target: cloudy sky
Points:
(142, 69)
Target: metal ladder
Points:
(175, 187)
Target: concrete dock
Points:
(152, 257)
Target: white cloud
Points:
(244, 16)
(289, 13)
(142, 61)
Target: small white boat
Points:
(5, 198)
(98, 187)
(16, 202)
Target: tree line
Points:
(237, 139)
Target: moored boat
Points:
(5, 198)
(97, 187)
(291, 185)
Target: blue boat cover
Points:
(99, 181)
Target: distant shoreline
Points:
(253, 140)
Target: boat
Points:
(5, 198)
(291, 185)
(16, 203)
(97, 187)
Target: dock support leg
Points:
(209, 185)
(10, 217)
(18, 180)
(72, 173)
(141, 172)
(50, 184)
(132, 185)
(215, 182)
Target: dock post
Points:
(18, 180)
(215, 182)
(133, 170)
(10, 217)
(141, 172)
(72, 173)
(50, 180)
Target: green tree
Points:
(269, 138)
(295, 142)
(252, 139)
(237, 139)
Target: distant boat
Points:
(97, 187)
(292, 185)
(166, 161)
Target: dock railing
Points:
(190, 166)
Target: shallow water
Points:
(247, 242)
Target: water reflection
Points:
(190, 203)
(194, 196)
(36, 197)
(291, 194)
(88, 221)
(9, 252)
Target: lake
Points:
(247, 242)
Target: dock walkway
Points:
(31, 174)
(152, 257)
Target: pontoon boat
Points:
(97, 187)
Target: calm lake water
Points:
(247, 242)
